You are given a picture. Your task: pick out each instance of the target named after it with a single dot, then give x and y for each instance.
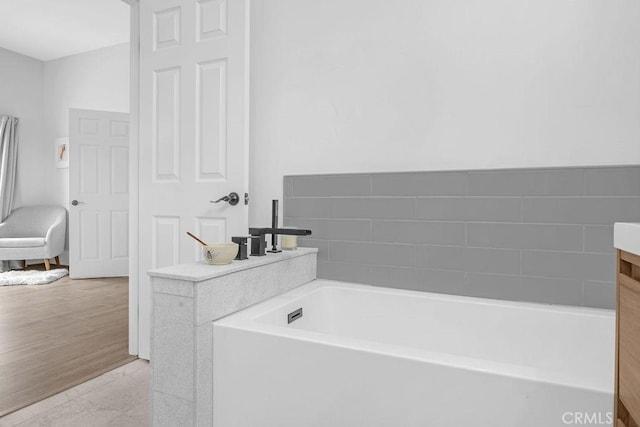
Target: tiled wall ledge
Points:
(186, 299)
(542, 235)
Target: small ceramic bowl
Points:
(220, 253)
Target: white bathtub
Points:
(369, 356)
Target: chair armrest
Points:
(56, 236)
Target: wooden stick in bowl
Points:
(195, 238)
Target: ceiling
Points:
(50, 29)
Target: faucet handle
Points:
(242, 246)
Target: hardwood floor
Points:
(55, 336)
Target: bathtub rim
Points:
(248, 320)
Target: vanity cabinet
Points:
(627, 388)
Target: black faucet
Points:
(258, 240)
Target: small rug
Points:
(31, 277)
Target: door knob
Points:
(75, 202)
(232, 198)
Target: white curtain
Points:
(8, 163)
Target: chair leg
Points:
(57, 261)
(47, 264)
(24, 263)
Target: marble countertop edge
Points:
(201, 271)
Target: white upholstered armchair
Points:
(34, 232)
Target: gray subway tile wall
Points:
(539, 235)
(479, 260)
(332, 185)
(580, 210)
(419, 232)
(598, 294)
(598, 238)
(502, 209)
(612, 182)
(430, 280)
(373, 208)
(419, 184)
(372, 253)
(540, 182)
(524, 288)
(553, 237)
(356, 273)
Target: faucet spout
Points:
(257, 231)
(259, 243)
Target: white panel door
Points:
(99, 192)
(193, 132)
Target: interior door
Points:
(193, 133)
(99, 193)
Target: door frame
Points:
(134, 150)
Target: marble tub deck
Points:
(186, 300)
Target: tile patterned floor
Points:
(119, 398)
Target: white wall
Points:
(40, 95)
(371, 85)
(21, 96)
(96, 80)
